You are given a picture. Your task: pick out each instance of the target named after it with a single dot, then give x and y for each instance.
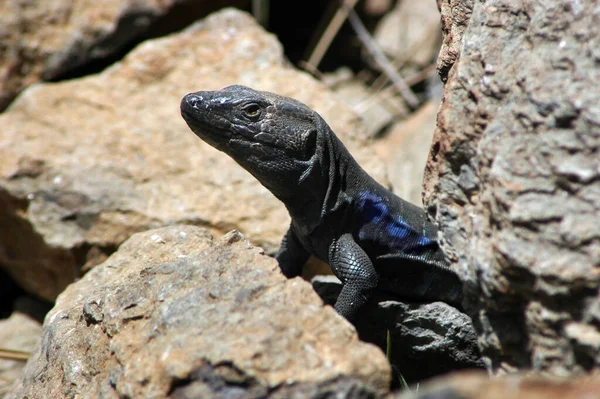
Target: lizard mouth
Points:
(207, 125)
(240, 143)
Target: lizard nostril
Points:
(193, 100)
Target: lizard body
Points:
(371, 238)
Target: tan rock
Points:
(173, 312)
(44, 40)
(87, 162)
(20, 333)
(477, 385)
(405, 149)
(411, 32)
(376, 110)
(377, 7)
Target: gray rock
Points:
(208, 382)
(455, 15)
(427, 339)
(513, 178)
(174, 313)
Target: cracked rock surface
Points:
(175, 313)
(513, 177)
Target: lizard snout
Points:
(193, 100)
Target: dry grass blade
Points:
(10, 354)
(401, 59)
(327, 37)
(260, 11)
(384, 94)
(380, 58)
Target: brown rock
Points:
(174, 313)
(90, 161)
(514, 181)
(43, 40)
(455, 15)
(475, 385)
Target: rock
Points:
(175, 313)
(9, 292)
(513, 181)
(411, 33)
(341, 388)
(376, 110)
(50, 39)
(20, 332)
(87, 162)
(455, 15)
(405, 147)
(377, 7)
(477, 385)
(427, 339)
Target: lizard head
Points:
(271, 136)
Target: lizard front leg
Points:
(353, 267)
(291, 255)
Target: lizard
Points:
(372, 239)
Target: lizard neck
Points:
(324, 190)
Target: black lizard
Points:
(371, 238)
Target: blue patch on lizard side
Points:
(380, 224)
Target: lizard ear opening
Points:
(310, 143)
(310, 149)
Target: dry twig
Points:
(380, 58)
(10, 354)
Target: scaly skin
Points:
(372, 239)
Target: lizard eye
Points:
(252, 111)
